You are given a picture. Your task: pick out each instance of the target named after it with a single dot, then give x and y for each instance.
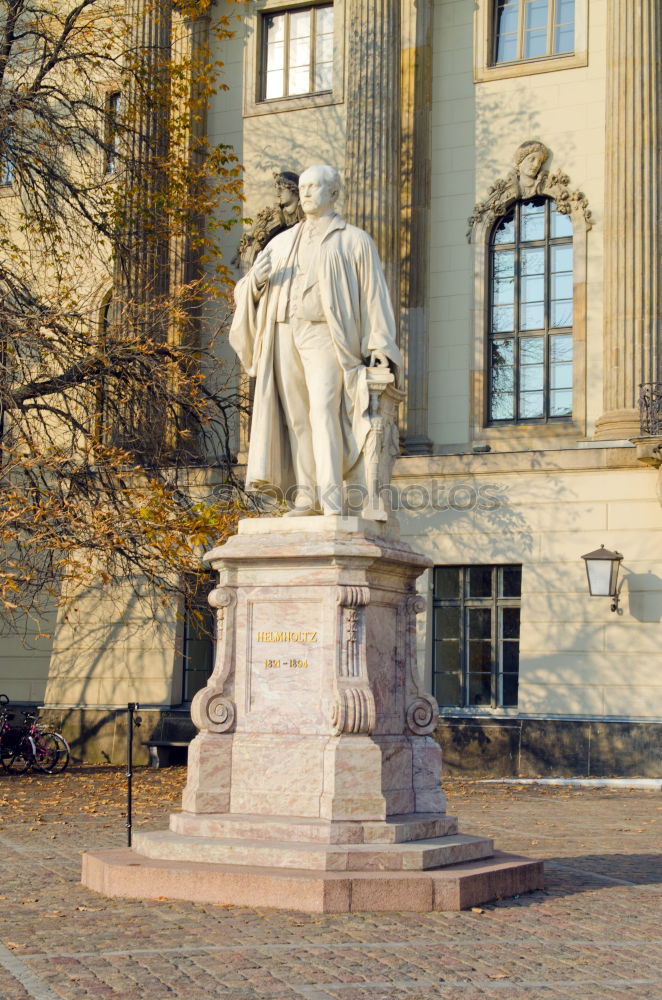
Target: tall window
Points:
(198, 648)
(533, 29)
(113, 108)
(6, 172)
(476, 635)
(297, 52)
(6, 158)
(530, 314)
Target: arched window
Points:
(530, 315)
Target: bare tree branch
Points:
(111, 441)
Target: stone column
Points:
(141, 279)
(372, 157)
(143, 262)
(416, 133)
(632, 213)
(191, 51)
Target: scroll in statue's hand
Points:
(262, 268)
(379, 360)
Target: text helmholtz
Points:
(287, 637)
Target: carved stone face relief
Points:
(287, 190)
(273, 219)
(530, 157)
(529, 160)
(531, 165)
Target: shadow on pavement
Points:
(590, 871)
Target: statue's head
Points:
(319, 187)
(529, 158)
(286, 183)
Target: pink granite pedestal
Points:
(314, 782)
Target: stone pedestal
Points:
(314, 775)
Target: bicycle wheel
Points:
(52, 753)
(20, 758)
(47, 752)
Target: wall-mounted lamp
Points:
(602, 571)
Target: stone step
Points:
(123, 873)
(415, 856)
(394, 830)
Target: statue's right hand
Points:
(262, 268)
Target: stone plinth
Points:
(125, 874)
(314, 775)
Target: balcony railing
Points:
(650, 408)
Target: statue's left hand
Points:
(379, 360)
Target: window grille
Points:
(476, 635)
(297, 52)
(530, 315)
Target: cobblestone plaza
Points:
(594, 931)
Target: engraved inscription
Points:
(292, 664)
(286, 637)
(285, 657)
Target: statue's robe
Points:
(344, 287)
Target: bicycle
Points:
(28, 745)
(17, 747)
(51, 749)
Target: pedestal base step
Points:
(413, 856)
(124, 873)
(394, 830)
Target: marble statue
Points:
(312, 316)
(314, 781)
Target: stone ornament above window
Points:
(528, 179)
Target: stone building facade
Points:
(504, 155)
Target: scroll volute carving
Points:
(527, 180)
(422, 712)
(353, 710)
(211, 709)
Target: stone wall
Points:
(543, 511)
(555, 748)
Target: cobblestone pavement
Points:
(594, 932)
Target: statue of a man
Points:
(311, 314)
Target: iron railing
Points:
(650, 408)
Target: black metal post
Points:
(132, 707)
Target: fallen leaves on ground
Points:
(94, 791)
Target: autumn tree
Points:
(116, 413)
